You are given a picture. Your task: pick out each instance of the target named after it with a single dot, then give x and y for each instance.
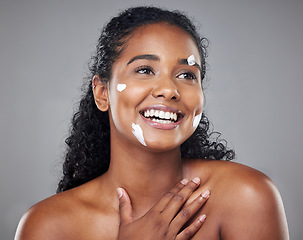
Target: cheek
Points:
(196, 121)
(137, 131)
(201, 101)
(121, 87)
(124, 101)
(131, 95)
(196, 105)
(195, 100)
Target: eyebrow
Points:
(184, 61)
(152, 57)
(144, 56)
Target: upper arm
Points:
(254, 211)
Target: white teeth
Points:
(175, 116)
(161, 114)
(166, 117)
(161, 121)
(171, 116)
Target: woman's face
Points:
(155, 93)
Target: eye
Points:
(144, 70)
(187, 75)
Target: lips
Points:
(160, 116)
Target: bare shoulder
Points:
(236, 177)
(244, 198)
(243, 186)
(72, 214)
(47, 218)
(241, 178)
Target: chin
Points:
(161, 146)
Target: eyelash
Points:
(190, 75)
(148, 71)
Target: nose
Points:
(167, 89)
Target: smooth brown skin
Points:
(243, 204)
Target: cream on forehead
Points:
(191, 60)
(197, 120)
(137, 131)
(121, 87)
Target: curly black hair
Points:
(88, 146)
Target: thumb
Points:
(125, 208)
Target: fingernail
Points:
(202, 218)
(120, 192)
(206, 194)
(196, 180)
(184, 181)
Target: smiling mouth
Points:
(160, 116)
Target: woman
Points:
(139, 159)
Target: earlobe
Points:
(100, 91)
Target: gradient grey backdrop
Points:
(254, 92)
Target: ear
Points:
(100, 91)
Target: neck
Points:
(145, 175)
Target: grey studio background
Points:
(253, 90)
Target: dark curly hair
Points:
(88, 146)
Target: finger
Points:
(180, 198)
(187, 212)
(125, 208)
(168, 196)
(192, 229)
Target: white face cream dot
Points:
(197, 120)
(191, 60)
(121, 87)
(137, 131)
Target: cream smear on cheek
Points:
(191, 60)
(137, 131)
(197, 120)
(121, 87)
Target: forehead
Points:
(161, 39)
